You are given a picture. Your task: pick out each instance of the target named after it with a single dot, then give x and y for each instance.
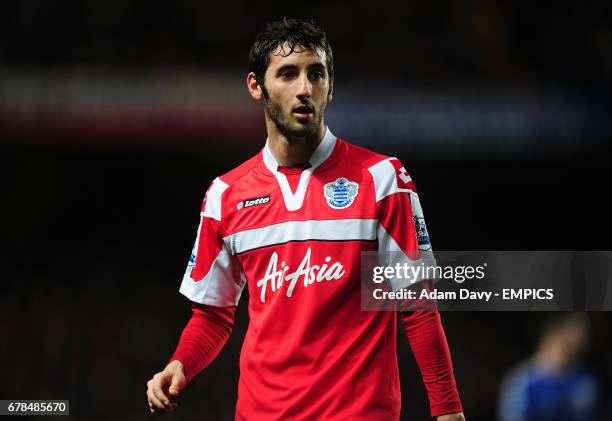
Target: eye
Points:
(317, 74)
(287, 74)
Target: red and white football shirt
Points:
(309, 352)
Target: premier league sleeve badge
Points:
(341, 193)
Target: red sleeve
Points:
(403, 233)
(203, 337)
(425, 333)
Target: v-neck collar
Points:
(322, 152)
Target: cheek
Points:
(279, 104)
(281, 93)
(323, 91)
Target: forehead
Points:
(300, 56)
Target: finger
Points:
(154, 403)
(161, 396)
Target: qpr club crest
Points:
(341, 193)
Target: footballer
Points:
(290, 225)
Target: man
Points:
(291, 223)
(553, 385)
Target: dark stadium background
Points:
(116, 115)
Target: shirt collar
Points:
(320, 154)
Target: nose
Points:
(305, 87)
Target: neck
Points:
(293, 150)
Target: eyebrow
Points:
(317, 66)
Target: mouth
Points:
(303, 112)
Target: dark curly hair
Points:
(295, 33)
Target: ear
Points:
(254, 87)
(331, 90)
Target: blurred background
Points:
(116, 115)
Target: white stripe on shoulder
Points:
(212, 208)
(385, 179)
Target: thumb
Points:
(178, 381)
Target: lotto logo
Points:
(403, 179)
(403, 175)
(253, 202)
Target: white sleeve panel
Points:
(212, 207)
(390, 254)
(213, 276)
(221, 286)
(402, 234)
(385, 179)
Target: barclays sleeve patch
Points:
(421, 233)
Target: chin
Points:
(300, 129)
(307, 129)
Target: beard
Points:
(291, 127)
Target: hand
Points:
(458, 416)
(165, 386)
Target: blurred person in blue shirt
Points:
(552, 385)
